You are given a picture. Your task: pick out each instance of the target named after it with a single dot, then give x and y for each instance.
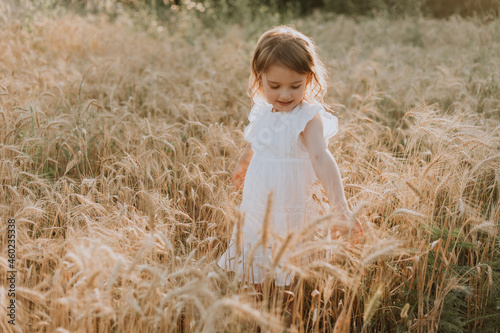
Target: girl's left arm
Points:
(325, 166)
(238, 177)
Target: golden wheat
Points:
(117, 143)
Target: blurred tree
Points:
(445, 8)
(434, 8)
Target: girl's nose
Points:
(285, 94)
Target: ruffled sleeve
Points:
(308, 111)
(257, 111)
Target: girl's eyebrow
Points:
(274, 82)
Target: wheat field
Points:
(118, 137)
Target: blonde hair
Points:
(286, 46)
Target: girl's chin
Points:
(280, 107)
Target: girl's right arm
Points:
(240, 171)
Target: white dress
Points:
(280, 164)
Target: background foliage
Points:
(121, 123)
(435, 8)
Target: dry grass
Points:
(117, 144)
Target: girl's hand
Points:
(350, 231)
(238, 177)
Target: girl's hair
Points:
(286, 46)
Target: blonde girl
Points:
(286, 153)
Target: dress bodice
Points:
(277, 134)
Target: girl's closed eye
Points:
(293, 87)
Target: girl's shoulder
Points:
(258, 109)
(307, 112)
(311, 107)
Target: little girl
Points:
(286, 153)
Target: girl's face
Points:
(283, 87)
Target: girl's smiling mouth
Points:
(285, 103)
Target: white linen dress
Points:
(280, 164)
